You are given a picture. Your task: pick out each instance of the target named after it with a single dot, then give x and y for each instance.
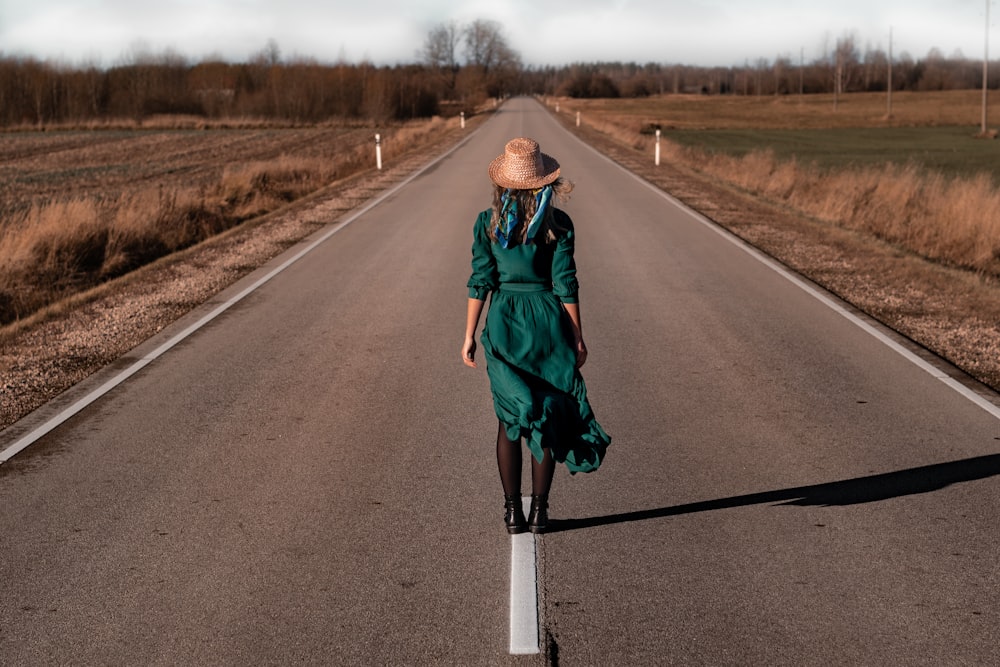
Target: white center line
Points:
(523, 592)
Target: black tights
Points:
(509, 462)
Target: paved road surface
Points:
(309, 478)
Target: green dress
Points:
(538, 393)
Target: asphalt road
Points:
(309, 479)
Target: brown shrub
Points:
(50, 246)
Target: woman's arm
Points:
(471, 322)
(573, 310)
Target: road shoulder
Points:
(942, 311)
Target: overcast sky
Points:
(556, 32)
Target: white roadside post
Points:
(578, 119)
(462, 115)
(657, 148)
(557, 107)
(378, 151)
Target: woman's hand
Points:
(469, 352)
(471, 322)
(581, 352)
(573, 310)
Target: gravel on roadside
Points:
(46, 354)
(948, 312)
(938, 311)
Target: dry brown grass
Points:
(51, 249)
(178, 122)
(951, 312)
(952, 220)
(953, 107)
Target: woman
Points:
(522, 256)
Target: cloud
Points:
(710, 32)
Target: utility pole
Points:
(802, 71)
(888, 109)
(836, 80)
(986, 64)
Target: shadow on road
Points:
(848, 492)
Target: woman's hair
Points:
(526, 210)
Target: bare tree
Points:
(270, 55)
(494, 66)
(762, 66)
(440, 52)
(846, 59)
(783, 68)
(267, 62)
(486, 47)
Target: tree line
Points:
(843, 69)
(33, 92)
(457, 69)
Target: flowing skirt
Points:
(538, 393)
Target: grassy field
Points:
(716, 112)
(949, 149)
(39, 167)
(920, 179)
(81, 207)
(936, 130)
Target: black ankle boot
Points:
(514, 514)
(538, 516)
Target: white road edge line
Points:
(813, 291)
(523, 592)
(52, 423)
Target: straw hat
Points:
(523, 166)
